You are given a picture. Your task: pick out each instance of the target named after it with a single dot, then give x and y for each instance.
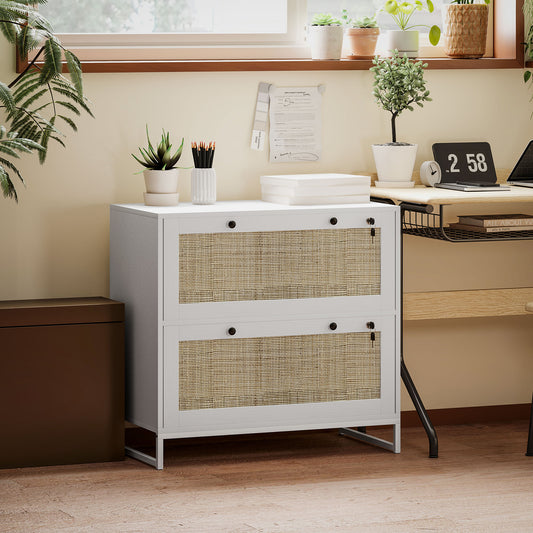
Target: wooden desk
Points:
(424, 214)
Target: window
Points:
(167, 35)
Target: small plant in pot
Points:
(325, 37)
(465, 28)
(405, 40)
(160, 171)
(362, 36)
(398, 85)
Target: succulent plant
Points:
(325, 19)
(162, 158)
(361, 22)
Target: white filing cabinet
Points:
(246, 317)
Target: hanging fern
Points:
(39, 102)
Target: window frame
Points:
(508, 53)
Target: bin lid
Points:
(90, 310)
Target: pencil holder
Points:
(203, 186)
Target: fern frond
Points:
(8, 189)
(74, 68)
(6, 98)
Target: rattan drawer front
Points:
(263, 371)
(223, 267)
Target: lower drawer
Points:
(252, 379)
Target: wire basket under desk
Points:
(416, 220)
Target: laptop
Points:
(522, 174)
(467, 167)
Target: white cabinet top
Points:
(238, 206)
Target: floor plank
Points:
(284, 483)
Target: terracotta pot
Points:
(465, 30)
(362, 42)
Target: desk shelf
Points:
(417, 221)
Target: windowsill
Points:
(284, 64)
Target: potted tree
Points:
(406, 40)
(465, 28)
(361, 35)
(325, 37)
(160, 171)
(37, 102)
(398, 85)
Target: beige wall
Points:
(54, 243)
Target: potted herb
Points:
(37, 103)
(325, 37)
(160, 171)
(361, 35)
(405, 40)
(398, 85)
(465, 28)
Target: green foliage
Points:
(528, 45)
(162, 158)
(325, 19)
(361, 22)
(40, 98)
(401, 13)
(398, 85)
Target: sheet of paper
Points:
(295, 124)
(261, 116)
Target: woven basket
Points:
(465, 30)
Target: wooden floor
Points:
(297, 482)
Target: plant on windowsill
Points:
(362, 36)
(325, 37)
(399, 84)
(465, 28)
(528, 45)
(160, 171)
(405, 40)
(38, 100)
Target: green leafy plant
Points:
(325, 19)
(401, 13)
(40, 98)
(160, 158)
(361, 22)
(528, 44)
(398, 85)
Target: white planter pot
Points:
(326, 42)
(161, 181)
(406, 42)
(394, 164)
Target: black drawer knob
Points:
(232, 224)
(370, 221)
(333, 326)
(232, 331)
(333, 221)
(370, 325)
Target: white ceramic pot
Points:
(326, 41)
(406, 42)
(161, 181)
(394, 164)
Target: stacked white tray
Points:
(315, 189)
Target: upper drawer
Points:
(255, 260)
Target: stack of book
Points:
(315, 189)
(494, 223)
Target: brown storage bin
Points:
(62, 381)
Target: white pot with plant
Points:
(406, 38)
(465, 28)
(398, 85)
(160, 174)
(325, 37)
(361, 36)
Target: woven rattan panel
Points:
(278, 265)
(278, 370)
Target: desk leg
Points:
(421, 410)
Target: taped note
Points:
(261, 117)
(295, 123)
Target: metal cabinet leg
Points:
(421, 410)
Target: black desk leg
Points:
(530, 436)
(421, 410)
